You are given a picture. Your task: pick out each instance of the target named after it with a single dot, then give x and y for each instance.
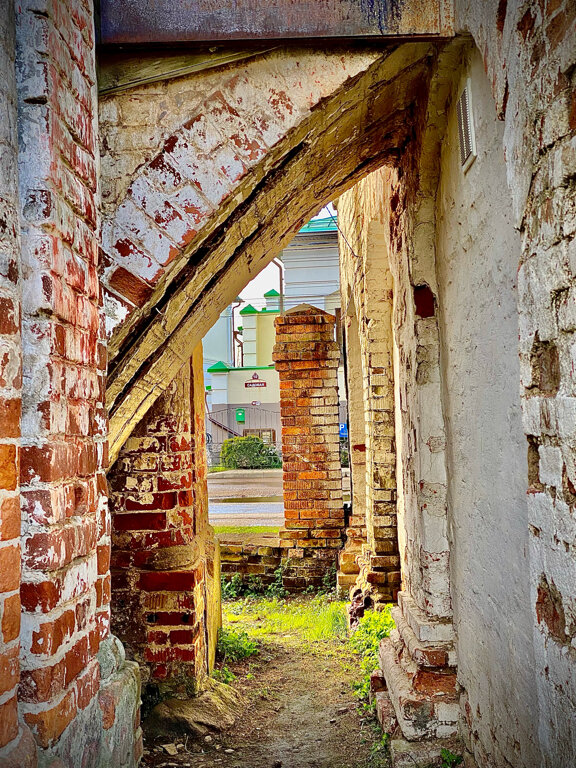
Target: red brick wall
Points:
(306, 358)
(64, 427)
(158, 556)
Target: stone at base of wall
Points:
(119, 700)
(106, 734)
(425, 754)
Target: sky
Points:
(270, 275)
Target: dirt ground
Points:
(299, 712)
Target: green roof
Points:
(219, 367)
(254, 367)
(270, 311)
(271, 294)
(320, 225)
(248, 310)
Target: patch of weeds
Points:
(329, 580)
(380, 750)
(234, 645)
(255, 586)
(372, 628)
(235, 587)
(449, 759)
(381, 747)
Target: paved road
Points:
(249, 497)
(247, 513)
(236, 483)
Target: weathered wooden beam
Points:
(122, 71)
(164, 21)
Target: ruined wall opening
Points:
(189, 226)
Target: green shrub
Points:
(249, 452)
(372, 628)
(344, 453)
(234, 645)
(329, 580)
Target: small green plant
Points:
(372, 628)
(329, 580)
(234, 645)
(249, 452)
(382, 746)
(255, 586)
(276, 588)
(224, 675)
(449, 759)
(236, 587)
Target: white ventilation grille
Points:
(466, 129)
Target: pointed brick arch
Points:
(228, 190)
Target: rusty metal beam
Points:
(173, 21)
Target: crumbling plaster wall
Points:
(529, 55)
(12, 736)
(528, 52)
(477, 255)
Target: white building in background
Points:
(244, 398)
(311, 267)
(218, 343)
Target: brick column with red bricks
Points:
(159, 553)
(65, 521)
(307, 357)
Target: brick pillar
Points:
(348, 568)
(306, 357)
(63, 490)
(161, 555)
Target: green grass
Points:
(309, 619)
(246, 529)
(211, 470)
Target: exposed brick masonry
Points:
(306, 358)
(160, 555)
